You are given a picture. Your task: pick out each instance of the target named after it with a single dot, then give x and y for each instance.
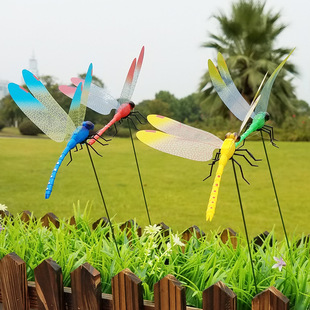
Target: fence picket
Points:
(50, 218)
(270, 299)
(127, 292)
(192, 231)
(49, 285)
(218, 297)
(13, 283)
(229, 234)
(86, 288)
(169, 294)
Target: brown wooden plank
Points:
(86, 288)
(13, 283)
(129, 226)
(169, 294)
(260, 239)
(103, 221)
(49, 285)
(50, 218)
(127, 292)
(229, 235)
(192, 231)
(218, 297)
(26, 216)
(270, 299)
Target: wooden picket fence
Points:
(48, 293)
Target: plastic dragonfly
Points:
(42, 109)
(188, 142)
(230, 95)
(102, 102)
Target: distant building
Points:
(33, 66)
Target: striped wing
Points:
(265, 94)
(131, 79)
(176, 145)
(227, 90)
(176, 128)
(49, 117)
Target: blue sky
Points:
(66, 35)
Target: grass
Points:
(174, 189)
(198, 263)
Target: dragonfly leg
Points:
(94, 148)
(269, 130)
(136, 113)
(133, 123)
(242, 155)
(242, 144)
(251, 155)
(240, 169)
(76, 149)
(70, 158)
(216, 158)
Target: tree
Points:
(247, 41)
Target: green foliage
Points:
(198, 263)
(2, 125)
(28, 128)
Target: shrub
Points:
(27, 127)
(2, 125)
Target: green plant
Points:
(27, 127)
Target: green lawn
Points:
(174, 189)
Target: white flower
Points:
(152, 229)
(280, 263)
(176, 240)
(3, 207)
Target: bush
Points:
(27, 127)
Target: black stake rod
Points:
(103, 201)
(138, 169)
(244, 224)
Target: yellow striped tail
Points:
(214, 193)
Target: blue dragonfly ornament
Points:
(43, 110)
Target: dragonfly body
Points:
(79, 137)
(122, 112)
(227, 152)
(258, 123)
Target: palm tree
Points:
(247, 41)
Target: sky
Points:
(66, 35)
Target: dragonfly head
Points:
(267, 116)
(88, 125)
(233, 136)
(132, 105)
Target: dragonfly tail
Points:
(214, 194)
(51, 181)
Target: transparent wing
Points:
(50, 118)
(136, 73)
(176, 128)
(124, 97)
(176, 145)
(99, 99)
(227, 90)
(265, 94)
(84, 97)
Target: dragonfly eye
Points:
(131, 104)
(89, 125)
(227, 135)
(267, 116)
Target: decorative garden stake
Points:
(42, 109)
(195, 144)
(230, 95)
(102, 102)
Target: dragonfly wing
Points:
(226, 89)
(176, 145)
(136, 73)
(99, 100)
(52, 121)
(176, 128)
(265, 94)
(124, 97)
(247, 117)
